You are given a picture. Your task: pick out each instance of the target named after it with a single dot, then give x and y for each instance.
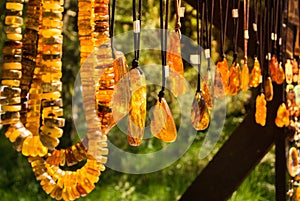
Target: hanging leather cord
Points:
(199, 41)
(112, 26)
(235, 15)
(263, 12)
(164, 42)
(246, 28)
(209, 32)
(276, 16)
(223, 26)
(255, 28)
(136, 32)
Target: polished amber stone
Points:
(219, 88)
(293, 161)
(162, 125)
(255, 74)
(14, 6)
(199, 115)
(273, 67)
(261, 110)
(222, 68)
(234, 84)
(32, 146)
(280, 76)
(295, 70)
(206, 94)
(283, 116)
(14, 21)
(288, 72)
(137, 107)
(268, 89)
(174, 54)
(245, 77)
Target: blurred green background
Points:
(18, 183)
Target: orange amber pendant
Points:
(280, 76)
(245, 77)
(261, 110)
(295, 70)
(255, 74)
(283, 116)
(288, 72)
(178, 85)
(137, 107)
(219, 88)
(269, 89)
(273, 66)
(207, 89)
(234, 79)
(162, 126)
(199, 114)
(222, 68)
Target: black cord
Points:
(136, 33)
(263, 12)
(236, 27)
(164, 42)
(198, 47)
(255, 27)
(223, 26)
(112, 26)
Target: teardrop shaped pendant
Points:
(268, 89)
(283, 116)
(245, 77)
(199, 115)
(162, 125)
(234, 79)
(261, 110)
(255, 74)
(222, 68)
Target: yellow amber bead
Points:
(53, 132)
(32, 146)
(14, 6)
(234, 84)
(14, 21)
(12, 66)
(11, 108)
(15, 83)
(14, 36)
(273, 66)
(51, 95)
(48, 33)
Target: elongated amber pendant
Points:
(269, 89)
(288, 72)
(178, 85)
(219, 88)
(295, 70)
(283, 116)
(162, 125)
(222, 68)
(207, 89)
(293, 161)
(245, 77)
(261, 110)
(137, 107)
(199, 114)
(255, 74)
(273, 66)
(234, 79)
(280, 76)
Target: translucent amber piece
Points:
(269, 89)
(207, 95)
(137, 107)
(14, 6)
(178, 85)
(283, 116)
(234, 79)
(32, 146)
(280, 76)
(261, 110)
(288, 72)
(199, 114)
(219, 88)
(222, 68)
(293, 161)
(273, 66)
(255, 74)
(295, 70)
(162, 125)
(245, 77)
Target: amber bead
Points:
(268, 89)
(261, 110)
(162, 125)
(199, 115)
(255, 74)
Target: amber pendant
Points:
(280, 76)
(288, 72)
(269, 89)
(245, 76)
(283, 116)
(222, 68)
(295, 70)
(273, 66)
(293, 161)
(234, 79)
(178, 84)
(137, 107)
(162, 126)
(199, 114)
(261, 110)
(207, 89)
(255, 74)
(219, 88)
